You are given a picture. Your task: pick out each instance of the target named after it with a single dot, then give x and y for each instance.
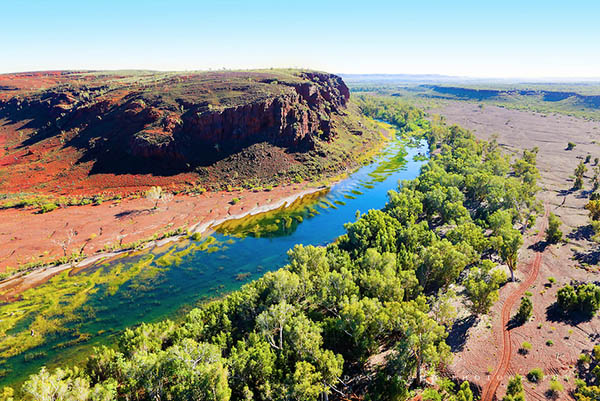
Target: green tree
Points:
(193, 371)
(553, 232)
(580, 170)
(508, 242)
(423, 341)
(584, 298)
(442, 307)
(514, 390)
(375, 229)
(271, 323)
(252, 366)
(440, 264)
(307, 383)
(482, 286)
(525, 309)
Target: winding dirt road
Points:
(490, 390)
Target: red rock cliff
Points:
(186, 119)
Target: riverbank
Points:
(88, 306)
(95, 228)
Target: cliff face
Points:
(93, 131)
(292, 119)
(188, 120)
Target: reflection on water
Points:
(56, 322)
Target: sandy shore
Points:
(26, 236)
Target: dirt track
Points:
(479, 342)
(490, 390)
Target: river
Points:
(61, 320)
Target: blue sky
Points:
(468, 38)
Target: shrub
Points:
(588, 158)
(524, 312)
(48, 207)
(525, 348)
(549, 343)
(514, 390)
(571, 146)
(584, 298)
(555, 386)
(535, 375)
(593, 206)
(584, 359)
(551, 280)
(234, 201)
(553, 232)
(196, 236)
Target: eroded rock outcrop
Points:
(188, 120)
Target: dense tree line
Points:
(309, 330)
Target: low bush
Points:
(48, 207)
(555, 386)
(584, 298)
(535, 375)
(524, 312)
(525, 348)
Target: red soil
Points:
(481, 349)
(26, 236)
(490, 390)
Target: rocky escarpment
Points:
(92, 131)
(497, 94)
(294, 119)
(186, 121)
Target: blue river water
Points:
(91, 307)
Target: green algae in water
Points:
(48, 318)
(103, 306)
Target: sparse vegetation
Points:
(553, 232)
(571, 146)
(535, 375)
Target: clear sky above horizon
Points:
(538, 39)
